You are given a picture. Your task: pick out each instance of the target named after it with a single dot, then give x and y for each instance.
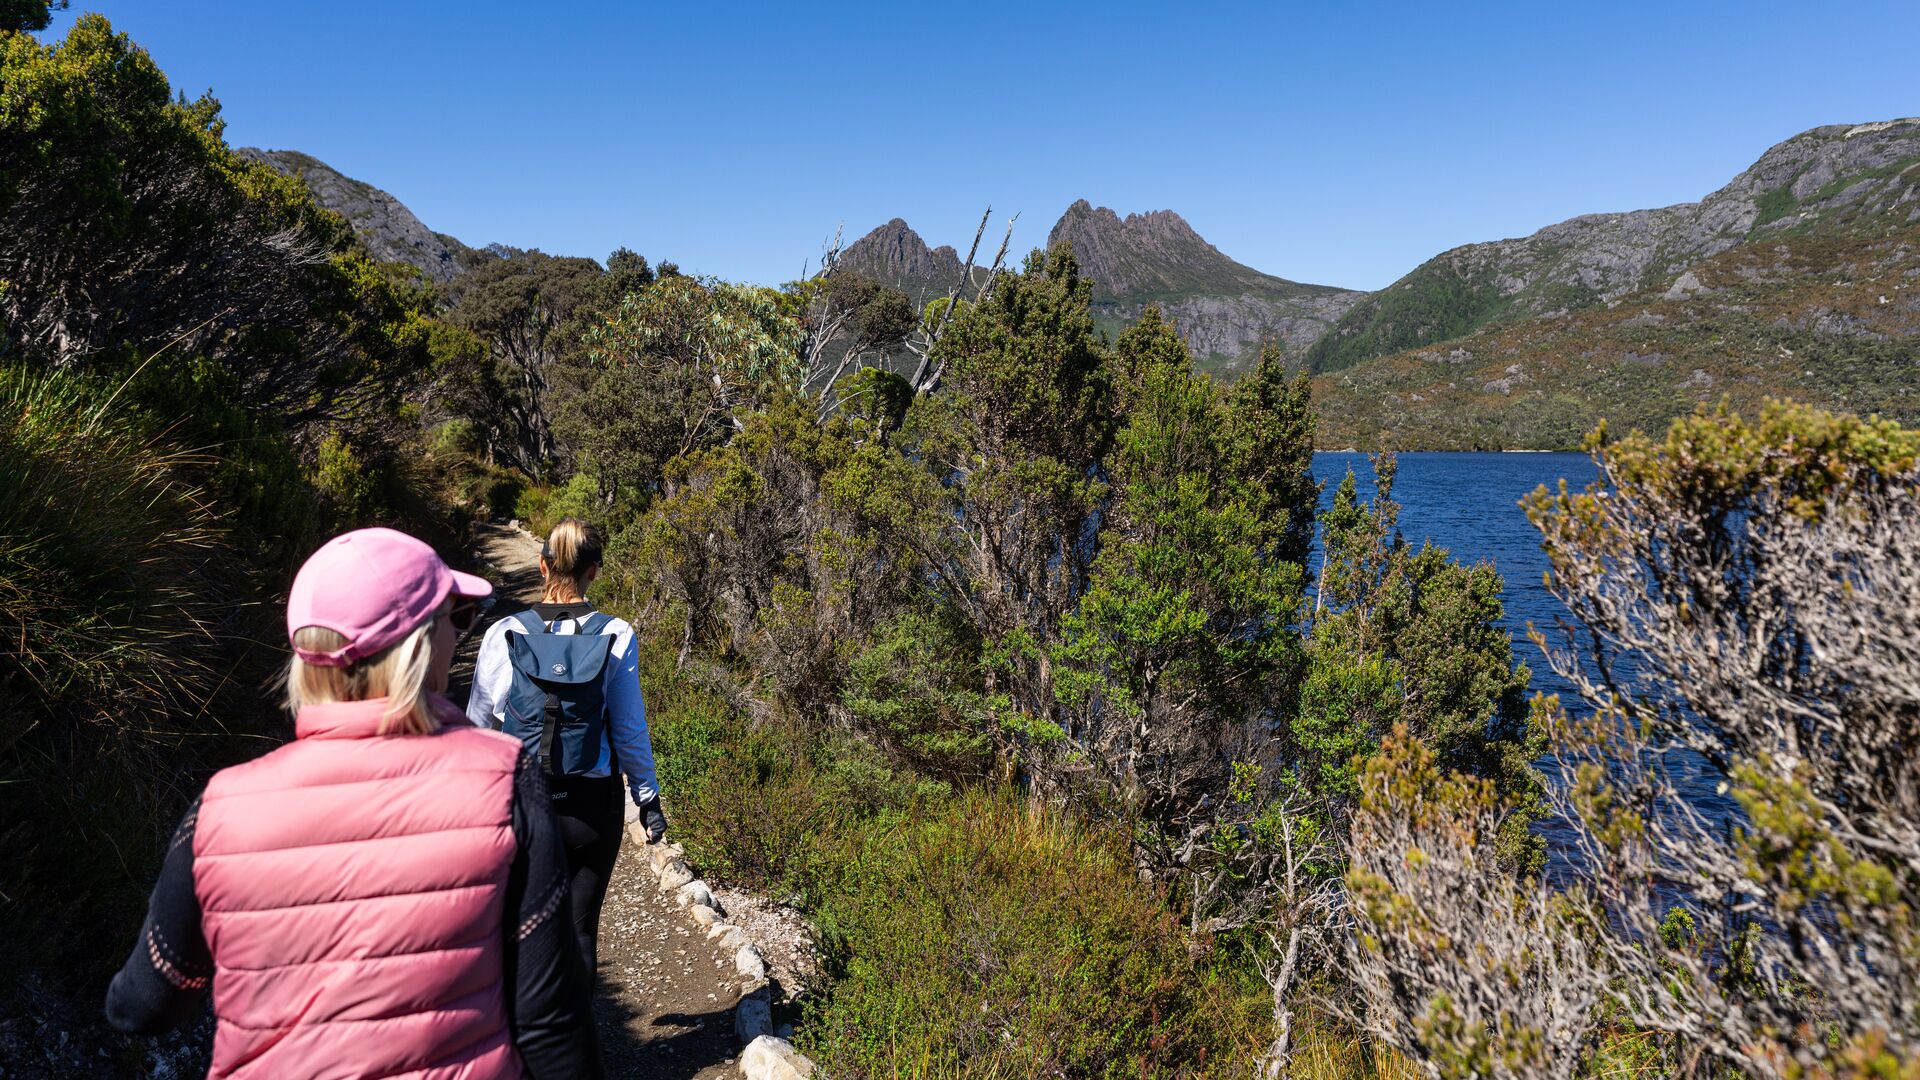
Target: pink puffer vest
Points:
(352, 890)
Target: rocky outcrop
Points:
(1231, 329)
(896, 255)
(383, 224)
(1224, 310)
(1828, 177)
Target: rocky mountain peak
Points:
(1154, 252)
(895, 254)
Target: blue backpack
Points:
(556, 702)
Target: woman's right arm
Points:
(161, 984)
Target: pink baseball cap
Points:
(372, 586)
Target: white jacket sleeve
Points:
(492, 678)
(627, 710)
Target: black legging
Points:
(592, 815)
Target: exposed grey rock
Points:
(1235, 327)
(389, 231)
(769, 1058)
(659, 855)
(752, 1020)
(695, 893)
(673, 875)
(895, 254)
(1221, 308)
(1685, 285)
(748, 964)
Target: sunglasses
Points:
(464, 613)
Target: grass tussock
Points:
(124, 633)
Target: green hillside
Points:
(1839, 176)
(1827, 316)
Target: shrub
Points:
(1742, 593)
(756, 812)
(540, 506)
(579, 498)
(979, 936)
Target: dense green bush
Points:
(541, 506)
(987, 936)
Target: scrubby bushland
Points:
(1474, 971)
(122, 617)
(1741, 606)
(1063, 564)
(127, 225)
(963, 930)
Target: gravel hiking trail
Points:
(666, 995)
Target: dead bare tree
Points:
(1270, 867)
(928, 371)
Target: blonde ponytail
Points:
(572, 551)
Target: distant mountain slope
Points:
(896, 255)
(1829, 316)
(1224, 310)
(383, 223)
(1827, 176)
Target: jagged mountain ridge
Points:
(896, 255)
(389, 231)
(1224, 309)
(1833, 175)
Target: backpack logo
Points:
(559, 669)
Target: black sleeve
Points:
(162, 983)
(549, 994)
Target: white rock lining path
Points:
(766, 1056)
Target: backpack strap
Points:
(595, 623)
(533, 624)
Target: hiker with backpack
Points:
(379, 897)
(565, 679)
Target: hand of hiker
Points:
(654, 819)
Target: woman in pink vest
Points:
(385, 896)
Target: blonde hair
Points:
(397, 673)
(573, 548)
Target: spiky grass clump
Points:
(117, 609)
(109, 594)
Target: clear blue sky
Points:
(1335, 143)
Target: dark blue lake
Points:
(1469, 504)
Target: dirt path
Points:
(666, 995)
